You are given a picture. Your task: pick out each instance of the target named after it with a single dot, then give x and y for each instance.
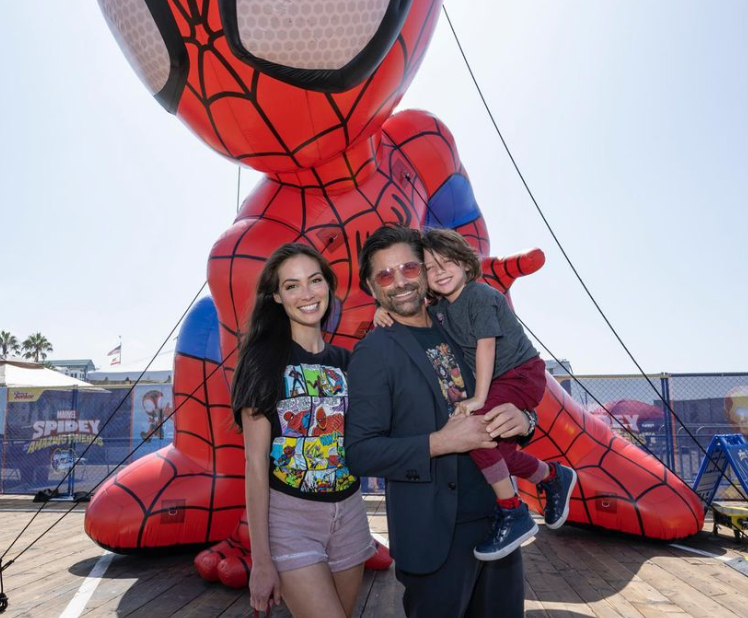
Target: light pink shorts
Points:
(305, 532)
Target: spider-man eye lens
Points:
(308, 34)
(315, 44)
(136, 32)
(148, 36)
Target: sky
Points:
(628, 120)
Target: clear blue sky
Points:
(627, 118)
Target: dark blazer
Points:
(395, 402)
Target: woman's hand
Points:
(264, 586)
(382, 317)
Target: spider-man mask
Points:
(279, 85)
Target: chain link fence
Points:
(44, 431)
(703, 405)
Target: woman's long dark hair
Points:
(265, 350)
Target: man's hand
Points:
(506, 421)
(460, 435)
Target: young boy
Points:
(507, 370)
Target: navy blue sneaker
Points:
(557, 495)
(510, 528)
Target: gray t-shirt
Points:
(480, 312)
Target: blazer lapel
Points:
(402, 336)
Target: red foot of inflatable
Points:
(380, 561)
(234, 571)
(189, 493)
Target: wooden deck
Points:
(569, 573)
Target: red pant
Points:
(524, 387)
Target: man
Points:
(402, 382)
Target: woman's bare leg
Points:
(310, 592)
(348, 583)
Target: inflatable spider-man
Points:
(303, 91)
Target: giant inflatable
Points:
(304, 91)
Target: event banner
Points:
(152, 404)
(46, 431)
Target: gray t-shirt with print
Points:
(480, 312)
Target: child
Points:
(507, 370)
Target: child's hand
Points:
(382, 317)
(468, 406)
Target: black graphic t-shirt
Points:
(307, 455)
(445, 364)
(449, 369)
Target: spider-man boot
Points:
(620, 486)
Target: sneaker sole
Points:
(562, 519)
(498, 555)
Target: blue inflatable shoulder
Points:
(198, 336)
(453, 204)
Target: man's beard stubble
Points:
(405, 309)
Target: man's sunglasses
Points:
(411, 270)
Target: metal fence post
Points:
(669, 437)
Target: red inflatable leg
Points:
(189, 493)
(620, 486)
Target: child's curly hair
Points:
(451, 245)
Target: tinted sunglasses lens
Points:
(411, 269)
(384, 277)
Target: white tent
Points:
(17, 373)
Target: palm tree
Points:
(36, 346)
(8, 344)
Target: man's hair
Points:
(383, 238)
(451, 245)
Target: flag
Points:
(115, 361)
(117, 350)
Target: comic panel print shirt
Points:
(307, 456)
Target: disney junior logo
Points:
(22, 396)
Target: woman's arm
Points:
(264, 583)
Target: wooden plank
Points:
(146, 589)
(600, 596)
(125, 572)
(53, 592)
(55, 564)
(383, 599)
(38, 560)
(213, 601)
(533, 606)
(639, 593)
(680, 594)
(708, 583)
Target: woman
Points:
(307, 522)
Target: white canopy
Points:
(16, 373)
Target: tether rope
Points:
(566, 257)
